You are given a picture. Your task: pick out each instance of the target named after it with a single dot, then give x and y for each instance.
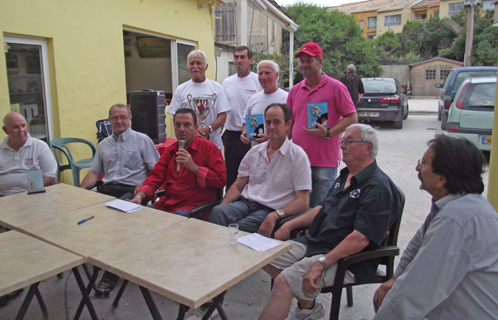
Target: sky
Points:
(321, 3)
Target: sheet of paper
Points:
(125, 206)
(258, 242)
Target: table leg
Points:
(216, 305)
(33, 290)
(151, 304)
(181, 312)
(85, 291)
(120, 293)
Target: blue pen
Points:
(84, 220)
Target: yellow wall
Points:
(364, 16)
(432, 9)
(406, 15)
(85, 50)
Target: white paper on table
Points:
(125, 206)
(258, 242)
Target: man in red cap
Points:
(320, 143)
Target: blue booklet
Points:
(255, 124)
(317, 112)
(35, 181)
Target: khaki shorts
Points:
(295, 266)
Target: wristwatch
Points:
(210, 129)
(328, 134)
(280, 213)
(323, 261)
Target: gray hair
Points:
(120, 105)
(273, 64)
(368, 134)
(351, 67)
(198, 52)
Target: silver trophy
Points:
(201, 105)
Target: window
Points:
(455, 8)
(372, 23)
(420, 15)
(443, 74)
(394, 20)
(400, 3)
(436, 13)
(430, 74)
(487, 5)
(224, 26)
(371, 36)
(361, 25)
(231, 68)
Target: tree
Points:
(339, 37)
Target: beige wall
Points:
(85, 50)
(406, 14)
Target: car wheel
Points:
(398, 124)
(406, 114)
(444, 120)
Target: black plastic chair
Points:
(104, 129)
(387, 255)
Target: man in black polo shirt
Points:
(356, 214)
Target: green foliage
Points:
(339, 37)
(486, 50)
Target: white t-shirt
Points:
(274, 184)
(258, 102)
(202, 89)
(238, 91)
(33, 155)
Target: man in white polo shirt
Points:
(274, 180)
(19, 153)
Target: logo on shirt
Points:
(337, 185)
(355, 194)
(250, 91)
(28, 161)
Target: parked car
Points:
(452, 82)
(472, 111)
(384, 100)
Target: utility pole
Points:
(469, 42)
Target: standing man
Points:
(20, 153)
(320, 144)
(274, 180)
(356, 214)
(449, 270)
(267, 76)
(190, 176)
(201, 87)
(354, 84)
(125, 157)
(239, 88)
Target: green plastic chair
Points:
(75, 166)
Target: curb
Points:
(422, 112)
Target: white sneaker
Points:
(316, 312)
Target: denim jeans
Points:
(322, 179)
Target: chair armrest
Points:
(367, 255)
(194, 213)
(281, 222)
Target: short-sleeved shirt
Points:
(354, 84)
(258, 102)
(239, 90)
(126, 159)
(207, 89)
(33, 155)
(274, 184)
(370, 205)
(321, 152)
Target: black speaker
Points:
(147, 110)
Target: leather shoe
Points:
(106, 284)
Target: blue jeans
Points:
(247, 214)
(322, 179)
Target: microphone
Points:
(181, 145)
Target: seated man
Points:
(125, 158)
(449, 270)
(274, 180)
(356, 214)
(19, 153)
(191, 175)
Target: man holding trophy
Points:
(206, 97)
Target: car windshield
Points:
(471, 74)
(378, 86)
(481, 95)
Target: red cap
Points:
(311, 48)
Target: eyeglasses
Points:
(421, 164)
(350, 142)
(115, 118)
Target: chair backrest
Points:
(104, 129)
(392, 237)
(60, 144)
